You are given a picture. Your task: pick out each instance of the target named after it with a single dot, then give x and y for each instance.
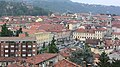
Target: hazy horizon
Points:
(100, 2)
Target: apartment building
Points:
(18, 47)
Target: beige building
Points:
(62, 35)
(73, 25)
(43, 37)
(83, 34)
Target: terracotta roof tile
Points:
(14, 65)
(116, 33)
(85, 30)
(40, 58)
(66, 63)
(108, 42)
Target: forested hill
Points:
(64, 6)
(68, 5)
(18, 8)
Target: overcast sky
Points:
(102, 2)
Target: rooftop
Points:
(14, 65)
(40, 58)
(66, 63)
(17, 39)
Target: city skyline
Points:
(100, 2)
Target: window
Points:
(6, 46)
(6, 50)
(12, 45)
(12, 50)
(23, 55)
(33, 49)
(24, 46)
(23, 50)
(29, 46)
(29, 55)
(33, 45)
(6, 55)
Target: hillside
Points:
(17, 8)
(64, 6)
(67, 5)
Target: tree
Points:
(52, 48)
(18, 9)
(115, 63)
(18, 31)
(44, 45)
(116, 38)
(5, 32)
(82, 55)
(26, 34)
(104, 60)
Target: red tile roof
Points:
(92, 41)
(65, 52)
(11, 59)
(40, 58)
(101, 29)
(117, 42)
(14, 65)
(85, 30)
(116, 33)
(66, 63)
(108, 42)
(116, 24)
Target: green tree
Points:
(116, 38)
(115, 63)
(5, 32)
(52, 48)
(82, 55)
(26, 34)
(18, 31)
(18, 9)
(43, 49)
(104, 60)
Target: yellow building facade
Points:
(43, 37)
(89, 35)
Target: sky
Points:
(100, 2)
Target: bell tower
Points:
(109, 25)
(109, 22)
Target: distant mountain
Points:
(67, 5)
(18, 8)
